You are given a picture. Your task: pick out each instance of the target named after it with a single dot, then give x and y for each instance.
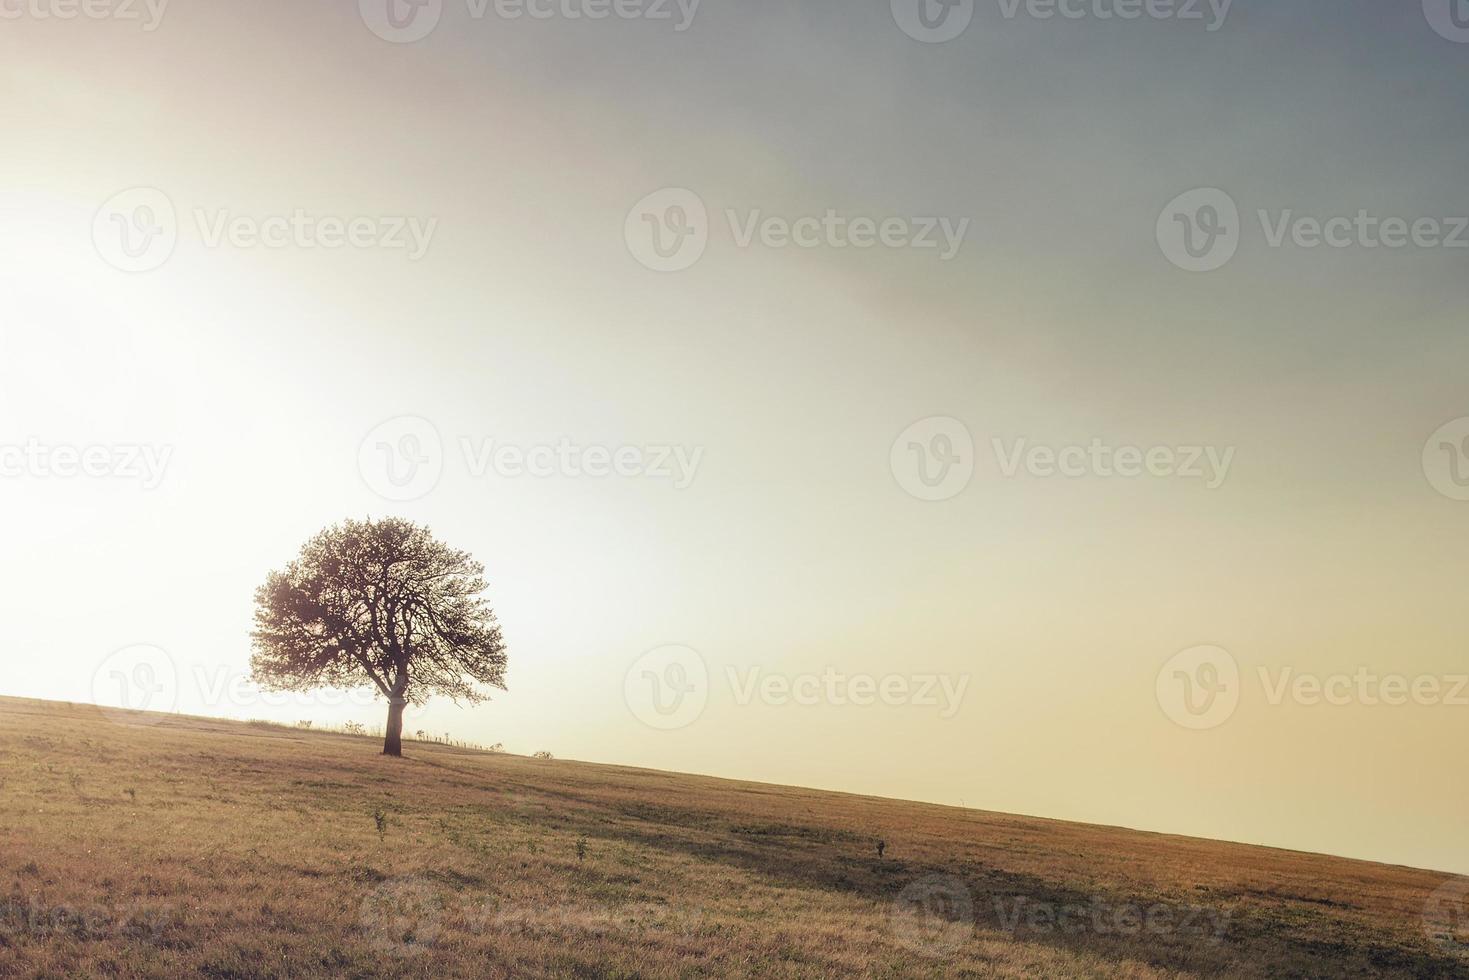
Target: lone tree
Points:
(381, 602)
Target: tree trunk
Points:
(393, 742)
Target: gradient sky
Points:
(795, 549)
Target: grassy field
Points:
(180, 846)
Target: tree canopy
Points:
(380, 602)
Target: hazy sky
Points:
(783, 409)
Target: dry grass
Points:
(198, 847)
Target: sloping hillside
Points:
(175, 846)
